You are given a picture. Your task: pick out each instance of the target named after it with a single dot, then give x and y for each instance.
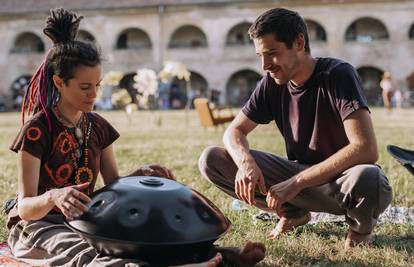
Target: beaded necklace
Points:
(83, 174)
(84, 170)
(78, 129)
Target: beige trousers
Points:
(50, 243)
(361, 193)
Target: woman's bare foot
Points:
(213, 262)
(286, 225)
(248, 256)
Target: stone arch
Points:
(316, 31)
(240, 85)
(133, 38)
(178, 90)
(371, 77)
(28, 42)
(18, 90)
(411, 32)
(366, 30)
(188, 36)
(84, 35)
(238, 36)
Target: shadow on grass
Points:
(398, 243)
(403, 242)
(304, 260)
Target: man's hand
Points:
(248, 176)
(281, 193)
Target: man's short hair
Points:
(285, 24)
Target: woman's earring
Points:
(57, 96)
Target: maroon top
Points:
(310, 117)
(56, 149)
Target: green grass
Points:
(178, 142)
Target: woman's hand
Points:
(156, 170)
(70, 200)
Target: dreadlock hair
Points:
(62, 59)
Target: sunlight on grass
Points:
(178, 142)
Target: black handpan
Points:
(404, 156)
(153, 219)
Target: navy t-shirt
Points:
(310, 117)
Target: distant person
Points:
(399, 98)
(388, 87)
(319, 108)
(214, 97)
(176, 97)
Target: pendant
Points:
(78, 133)
(83, 175)
(78, 153)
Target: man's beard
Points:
(280, 81)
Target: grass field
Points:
(176, 140)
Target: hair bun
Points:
(62, 26)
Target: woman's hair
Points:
(62, 59)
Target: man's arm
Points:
(362, 149)
(249, 174)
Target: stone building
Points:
(210, 38)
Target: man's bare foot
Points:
(250, 255)
(213, 262)
(286, 225)
(354, 239)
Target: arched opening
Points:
(178, 90)
(238, 36)
(133, 38)
(315, 31)
(411, 33)
(18, 89)
(127, 82)
(85, 36)
(28, 43)
(240, 86)
(371, 78)
(410, 81)
(188, 37)
(366, 30)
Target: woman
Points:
(388, 87)
(61, 150)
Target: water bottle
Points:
(238, 205)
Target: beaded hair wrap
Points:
(41, 94)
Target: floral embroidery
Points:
(63, 173)
(33, 133)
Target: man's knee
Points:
(209, 158)
(370, 182)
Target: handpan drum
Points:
(153, 219)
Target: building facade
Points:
(210, 38)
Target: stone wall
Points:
(217, 62)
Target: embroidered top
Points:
(55, 149)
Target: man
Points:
(320, 110)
